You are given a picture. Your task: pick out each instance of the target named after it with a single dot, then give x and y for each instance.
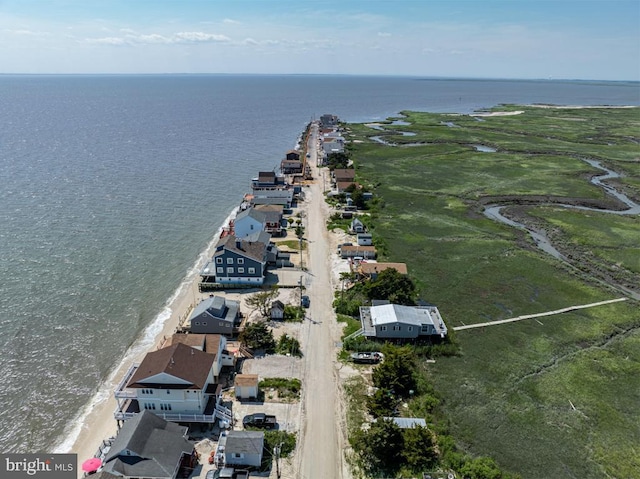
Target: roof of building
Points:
(179, 360)
(246, 380)
(147, 446)
(357, 248)
(371, 268)
(266, 176)
(257, 215)
(414, 315)
(259, 237)
(272, 213)
(217, 307)
(407, 422)
(344, 173)
(247, 442)
(252, 250)
(209, 343)
(343, 185)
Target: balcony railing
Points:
(121, 392)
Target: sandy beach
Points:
(100, 424)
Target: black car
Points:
(305, 301)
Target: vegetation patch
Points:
(554, 396)
(287, 389)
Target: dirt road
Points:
(322, 442)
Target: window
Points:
(383, 328)
(218, 260)
(197, 323)
(252, 271)
(168, 391)
(220, 269)
(240, 260)
(409, 328)
(397, 327)
(230, 270)
(229, 260)
(241, 270)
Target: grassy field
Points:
(554, 397)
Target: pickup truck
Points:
(261, 420)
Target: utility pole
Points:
(276, 453)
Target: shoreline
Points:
(94, 422)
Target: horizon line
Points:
(378, 75)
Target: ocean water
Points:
(111, 187)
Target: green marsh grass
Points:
(554, 397)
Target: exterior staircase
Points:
(224, 414)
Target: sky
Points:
(559, 39)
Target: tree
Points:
(418, 451)
(382, 404)
(288, 345)
(397, 371)
(337, 160)
(393, 286)
(257, 335)
(261, 301)
(481, 468)
(380, 447)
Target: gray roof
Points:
(217, 307)
(259, 216)
(407, 422)
(252, 250)
(247, 442)
(397, 313)
(272, 213)
(259, 237)
(147, 446)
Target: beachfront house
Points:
(178, 383)
(268, 179)
(216, 315)
(236, 262)
(148, 446)
(244, 448)
(328, 121)
(266, 218)
(291, 167)
(395, 321)
(272, 197)
(248, 222)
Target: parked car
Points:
(305, 301)
(261, 420)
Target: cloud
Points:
(200, 37)
(133, 38)
(117, 41)
(230, 22)
(384, 34)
